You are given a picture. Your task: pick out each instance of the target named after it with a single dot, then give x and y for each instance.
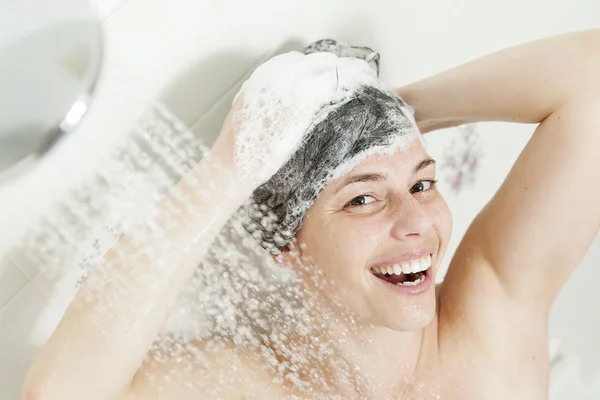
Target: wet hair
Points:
(370, 120)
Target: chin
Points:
(411, 316)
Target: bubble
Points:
(266, 123)
(292, 87)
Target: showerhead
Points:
(50, 55)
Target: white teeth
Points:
(425, 262)
(408, 267)
(415, 283)
(415, 266)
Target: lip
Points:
(411, 255)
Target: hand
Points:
(270, 115)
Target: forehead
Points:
(400, 162)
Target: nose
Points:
(411, 220)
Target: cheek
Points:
(442, 219)
(340, 243)
(357, 233)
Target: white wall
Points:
(188, 54)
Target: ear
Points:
(285, 259)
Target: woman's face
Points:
(385, 212)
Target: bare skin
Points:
(482, 334)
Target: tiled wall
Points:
(191, 54)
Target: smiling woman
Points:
(368, 230)
(355, 212)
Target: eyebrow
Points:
(424, 164)
(359, 178)
(378, 177)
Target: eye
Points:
(360, 201)
(423, 186)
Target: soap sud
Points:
(283, 98)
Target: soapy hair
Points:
(370, 120)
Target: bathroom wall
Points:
(190, 55)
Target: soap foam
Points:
(283, 98)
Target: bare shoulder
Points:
(484, 336)
(205, 369)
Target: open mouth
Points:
(409, 273)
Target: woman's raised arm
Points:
(525, 83)
(107, 330)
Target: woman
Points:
(481, 334)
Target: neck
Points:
(386, 360)
(373, 361)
